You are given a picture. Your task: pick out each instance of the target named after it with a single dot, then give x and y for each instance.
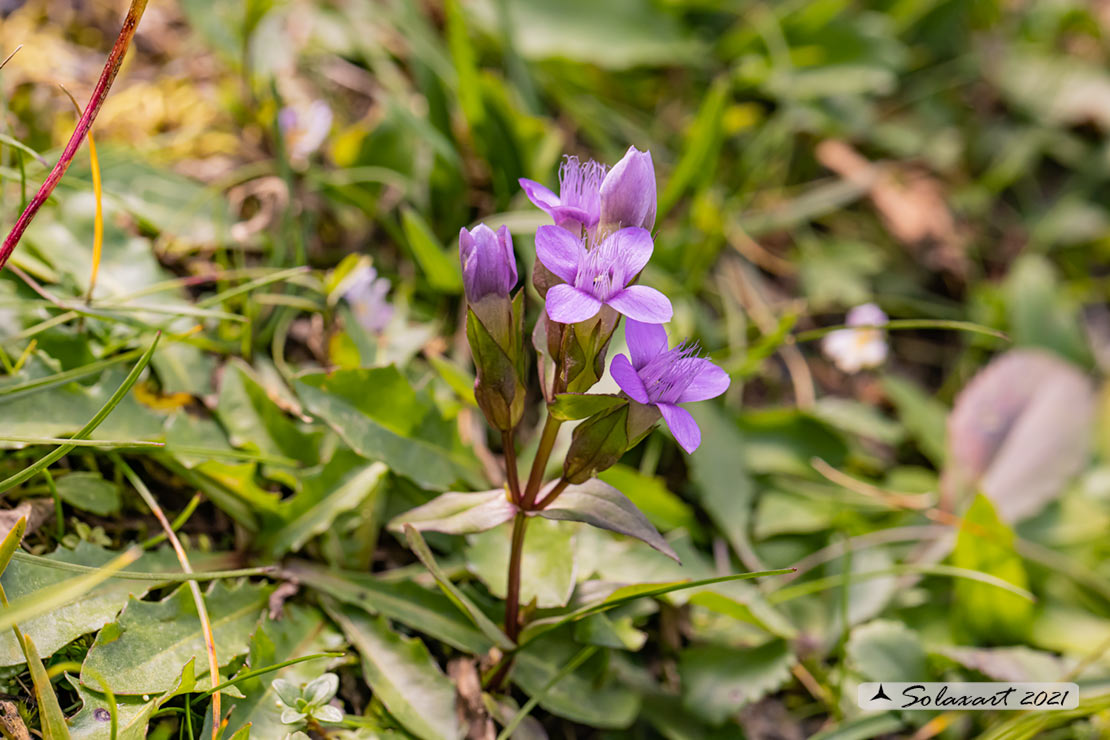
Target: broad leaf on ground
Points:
(144, 651)
(85, 614)
(301, 630)
(718, 681)
(402, 675)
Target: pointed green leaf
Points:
(420, 609)
(492, 632)
(571, 406)
(301, 631)
(339, 399)
(459, 513)
(144, 651)
(84, 612)
(402, 674)
(345, 483)
(600, 505)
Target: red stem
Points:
(100, 92)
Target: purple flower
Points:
(664, 378)
(366, 292)
(579, 198)
(488, 262)
(625, 196)
(628, 192)
(599, 276)
(305, 129)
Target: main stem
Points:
(512, 598)
(543, 454)
(512, 476)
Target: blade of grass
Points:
(178, 522)
(269, 669)
(98, 220)
(108, 443)
(583, 655)
(47, 599)
(141, 575)
(198, 597)
(93, 423)
(457, 597)
(109, 696)
(968, 326)
(788, 593)
(625, 594)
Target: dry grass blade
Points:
(98, 221)
(198, 597)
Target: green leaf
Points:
(571, 406)
(492, 632)
(649, 493)
(301, 631)
(458, 379)
(600, 505)
(39, 602)
(982, 612)
(459, 513)
(428, 612)
(132, 715)
(886, 650)
(89, 492)
(402, 674)
(625, 594)
(703, 140)
(345, 483)
(547, 563)
(102, 413)
(86, 611)
(440, 266)
(585, 695)
(144, 650)
(254, 421)
(341, 400)
(720, 475)
(50, 712)
(924, 416)
(718, 681)
(11, 543)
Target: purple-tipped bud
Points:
(488, 262)
(628, 192)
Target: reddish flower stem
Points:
(100, 92)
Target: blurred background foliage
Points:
(945, 159)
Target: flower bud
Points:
(628, 193)
(488, 262)
(499, 361)
(600, 441)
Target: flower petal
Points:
(682, 426)
(642, 303)
(559, 251)
(568, 305)
(543, 198)
(627, 378)
(628, 191)
(633, 248)
(709, 381)
(645, 341)
(508, 257)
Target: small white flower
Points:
(853, 350)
